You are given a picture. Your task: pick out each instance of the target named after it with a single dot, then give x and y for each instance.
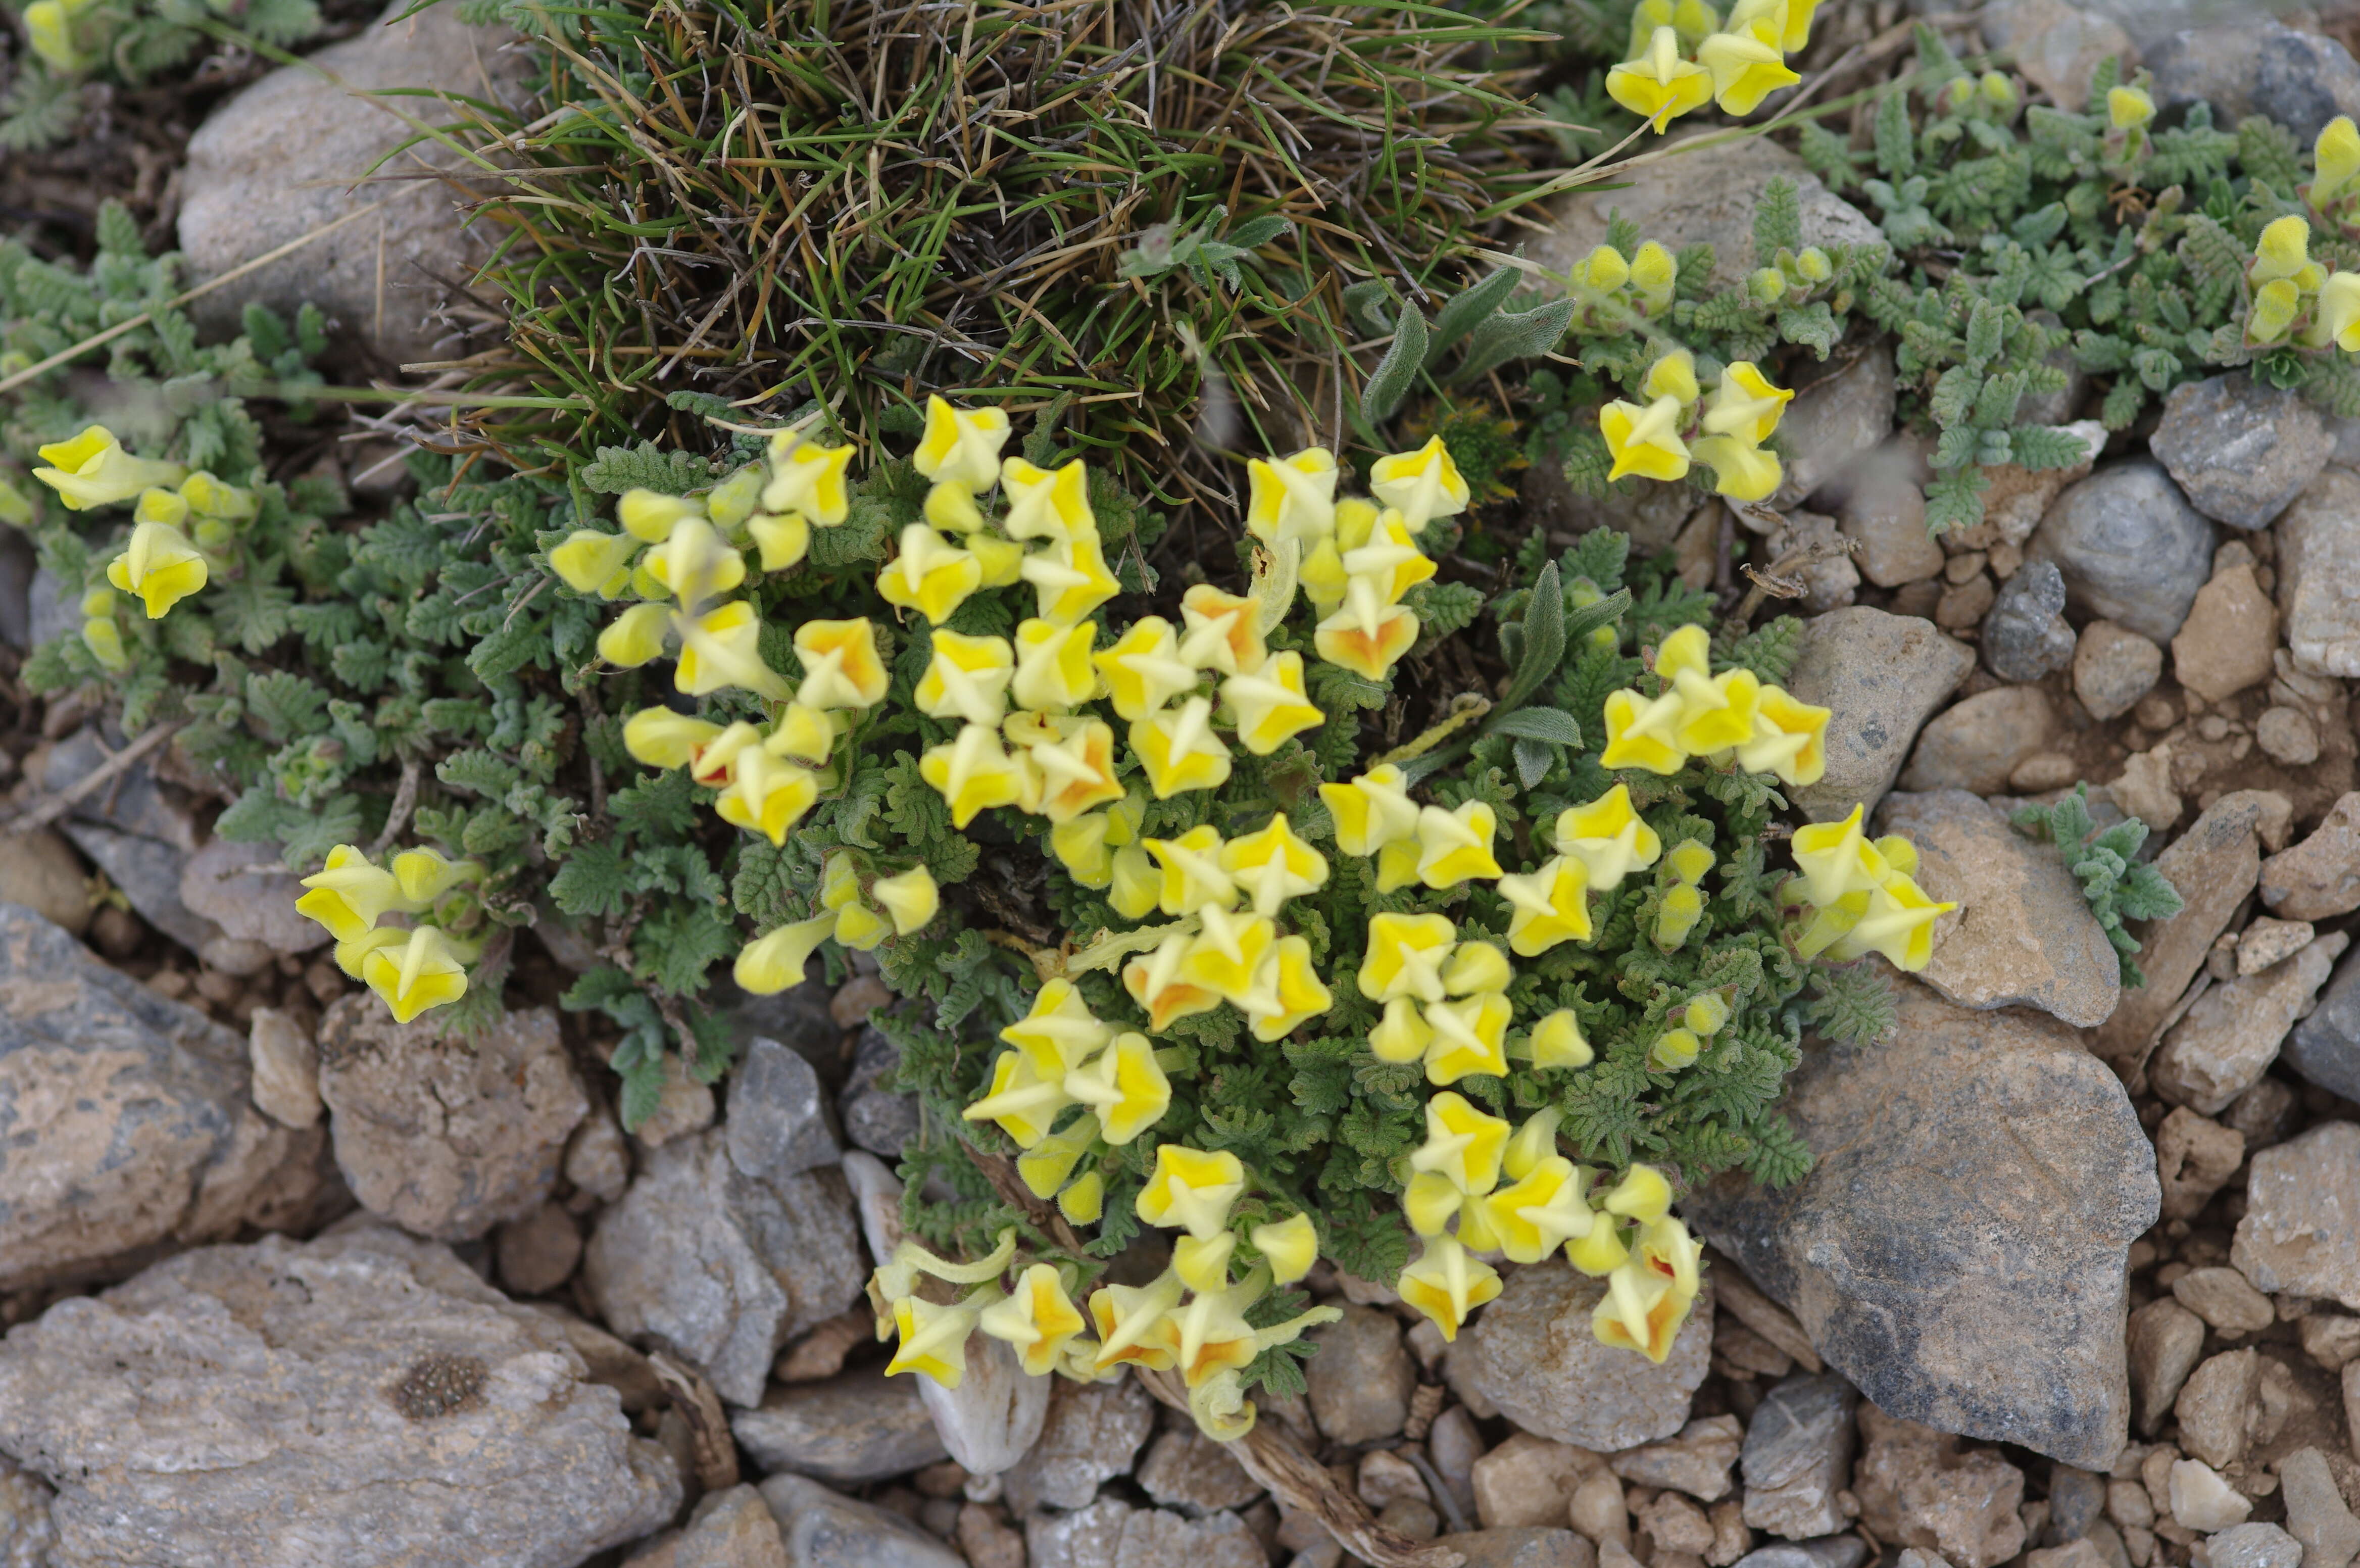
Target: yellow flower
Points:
(1289, 1246)
(1643, 733)
(1674, 1049)
(739, 497)
(1366, 636)
(649, 516)
(2282, 252)
(952, 507)
(1446, 1283)
(92, 470)
(48, 29)
(784, 537)
(1746, 405)
(1462, 1143)
(1789, 738)
(1690, 19)
(1039, 1320)
(352, 952)
(961, 446)
(1404, 957)
(1179, 749)
(663, 739)
(934, 1338)
(766, 795)
(1644, 441)
(1673, 376)
(1077, 769)
(803, 734)
(1268, 705)
(1797, 33)
(1706, 1013)
(1134, 1325)
(1132, 882)
(2128, 108)
(1194, 876)
(1070, 578)
(1741, 472)
(1541, 1212)
(2337, 315)
(1421, 485)
(15, 510)
(723, 648)
(1549, 906)
(1456, 845)
(1124, 1088)
(1214, 1336)
(350, 893)
(1609, 838)
(1080, 845)
(1556, 1042)
(841, 666)
(1286, 991)
(1156, 983)
(104, 641)
(636, 636)
(808, 479)
(1143, 670)
(1603, 269)
(1469, 1037)
(160, 566)
(1392, 561)
(590, 562)
(1053, 666)
(972, 773)
(1085, 1202)
(1228, 952)
(1828, 855)
(1657, 84)
(421, 974)
(1046, 1164)
(693, 564)
(1402, 1034)
(1371, 811)
(967, 678)
(2336, 155)
(1690, 860)
(1292, 498)
(1022, 1101)
(770, 963)
(1219, 632)
(1476, 965)
(425, 876)
(1043, 504)
(1898, 922)
(930, 573)
(857, 925)
(2274, 307)
(1273, 865)
(1648, 1297)
(1745, 68)
(1191, 1190)
(1321, 575)
(1642, 1195)
(1655, 274)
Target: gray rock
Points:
(1360, 1378)
(1918, 1488)
(1834, 423)
(2057, 46)
(2025, 635)
(858, 1426)
(2022, 934)
(2194, 1158)
(874, 1118)
(2164, 1340)
(2130, 548)
(2077, 1500)
(1696, 1460)
(130, 1128)
(1525, 1548)
(284, 1062)
(990, 1421)
(823, 1530)
(1831, 1551)
(1882, 675)
(2248, 1546)
(797, 1017)
(135, 801)
(2239, 452)
(597, 1158)
(56, 610)
(1186, 1470)
(539, 1252)
(724, 1268)
(362, 1399)
(2319, 576)
(778, 1120)
(2112, 668)
(1089, 1437)
(2325, 1046)
(2223, 1298)
(2301, 1229)
(730, 1528)
(2230, 1035)
(220, 884)
(2214, 865)
(1110, 1534)
(2316, 1516)
(41, 870)
(1978, 743)
(1537, 1361)
(443, 1135)
(1884, 514)
(2225, 644)
(1797, 1457)
(282, 158)
(149, 873)
(27, 1534)
(2319, 878)
(1970, 1280)
(2256, 65)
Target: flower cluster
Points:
(1678, 424)
(2334, 189)
(1733, 716)
(1219, 952)
(413, 968)
(2296, 300)
(1855, 896)
(1191, 1318)
(160, 565)
(1682, 57)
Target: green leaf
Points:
(1534, 760)
(1524, 336)
(1472, 306)
(1543, 636)
(1390, 382)
(644, 467)
(1553, 725)
(1778, 220)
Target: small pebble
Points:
(2289, 736)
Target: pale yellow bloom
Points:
(1421, 485)
(422, 973)
(1404, 957)
(1156, 982)
(1286, 991)
(1371, 811)
(1268, 705)
(1179, 749)
(1194, 874)
(961, 446)
(1045, 504)
(1366, 636)
(635, 637)
(1053, 666)
(1454, 846)
(723, 648)
(1292, 498)
(1290, 1247)
(972, 773)
(1273, 865)
(590, 562)
(1124, 1088)
(808, 479)
(967, 678)
(1070, 578)
(1657, 85)
(1644, 441)
(803, 734)
(841, 665)
(649, 516)
(92, 470)
(1190, 1190)
(1219, 631)
(1556, 1042)
(1549, 905)
(1143, 670)
(1039, 1320)
(663, 739)
(1446, 1283)
(159, 566)
(929, 574)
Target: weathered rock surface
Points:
(821, 1529)
(284, 1062)
(2026, 635)
(283, 156)
(2022, 934)
(1528, 1482)
(28, 1536)
(2257, 66)
(1881, 675)
(442, 1136)
(2213, 864)
(875, 1118)
(1360, 1380)
(2224, 645)
(2194, 1158)
(1091, 1433)
(1835, 423)
(1186, 1470)
(2164, 1340)
(858, 1426)
(2317, 1515)
(1958, 1251)
(147, 873)
(1533, 1548)
(778, 1115)
(2130, 547)
(1111, 1534)
(2057, 45)
(2239, 452)
(1696, 1460)
(2325, 1046)
(135, 801)
(2112, 668)
(221, 883)
(1918, 1488)
(2248, 1546)
(2232, 1035)
(129, 1125)
(2319, 576)
(2223, 1298)
(41, 870)
(362, 1399)
(1797, 1457)
(1975, 745)
(723, 1268)
(2319, 878)
(2301, 1229)
(1536, 1359)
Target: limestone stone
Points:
(2257, 65)
(132, 1127)
(2193, 1157)
(1883, 676)
(244, 890)
(991, 1419)
(2026, 635)
(1188, 1470)
(2248, 1546)
(822, 1529)
(2224, 645)
(2329, 1339)
(41, 870)
(722, 1268)
(2319, 576)
(1528, 1481)
(2213, 865)
(135, 801)
(2240, 452)
(2217, 1407)
(1597, 1510)
(1917, 1486)
(2232, 1035)
(2057, 45)
(2325, 1046)
(147, 874)
(284, 1062)
(1360, 1379)
(2201, 1500)
(2130, 547)
(447, 1136)
(1531, 1548)
(1971, 1281)
(1835, 423)
(1089, 1437)
(733, 1528)
(539, 1252)
(2266, 941)
(1386, 1478)
(684, 1106)
(2223, 1298)
(778, 1115)
(1828, 1551)
(597, 1158)
(857, 1426)
(1885, 515)
(2301, 1229)
(1975, 745)
(363, 1398)
(876, 1119)
(1676, 1524)
(2165, 1339)
(1536, 1360)
(1111, 1534)
(27, 1534)
(2316, 1516)
(2022, 934)
(2319, 878)
(2288, 735)
(984, 1540)
(2112, 668)
(1797, 1458)
(1696, 1460)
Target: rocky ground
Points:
(2075, 1283)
